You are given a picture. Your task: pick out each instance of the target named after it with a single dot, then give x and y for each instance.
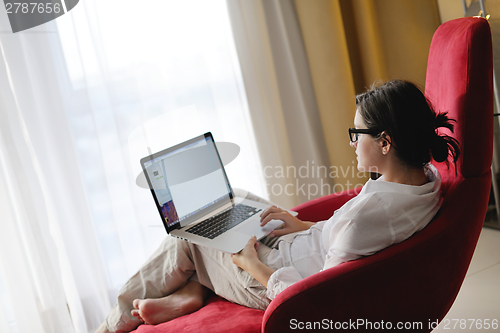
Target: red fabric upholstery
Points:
(218, 315)
(456, 73)
(418, 279)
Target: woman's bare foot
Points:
(188, 299)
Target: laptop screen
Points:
(187, 179)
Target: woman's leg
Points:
(166, 272)
(154, 311)
(216, 271)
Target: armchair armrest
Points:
(336, 294)
(372, 288)
(321, 209)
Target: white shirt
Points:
(382, 214)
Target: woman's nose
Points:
(353, 144)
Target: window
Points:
(143, 76)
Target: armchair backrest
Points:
(459, 81)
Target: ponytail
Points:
(444, 145)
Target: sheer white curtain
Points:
(281, 99)
(82, 99)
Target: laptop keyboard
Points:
(218, 224)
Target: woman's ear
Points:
(385, 143)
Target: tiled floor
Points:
(479, 297)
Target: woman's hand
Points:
(249, 261)
(247, 257)
(292, 224)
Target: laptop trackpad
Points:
(253, 228)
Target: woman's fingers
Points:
(282, 215)
(251, 242)
(269, 210)
(291, 223)
(246, 255)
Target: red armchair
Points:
(414, 282)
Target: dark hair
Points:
(401, 110)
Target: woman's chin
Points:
(361, 168)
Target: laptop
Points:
(195, 200)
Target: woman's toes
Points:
(135, 303)
(149, 307)
(136, 314)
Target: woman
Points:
(394, 135)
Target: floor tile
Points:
(479, 297)
(487, 253)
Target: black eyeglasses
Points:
(354, 133)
